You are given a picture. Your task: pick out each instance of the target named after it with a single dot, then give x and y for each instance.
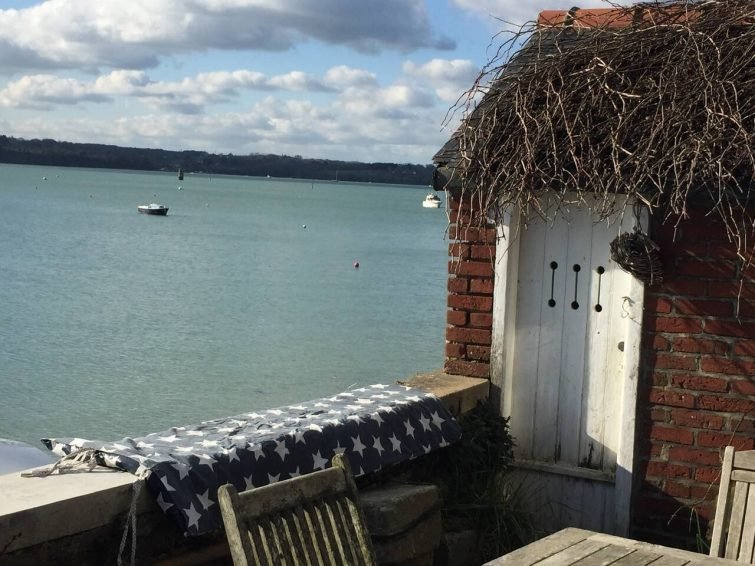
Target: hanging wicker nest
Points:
(638, 255)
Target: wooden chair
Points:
(314, 519)
(735, 509)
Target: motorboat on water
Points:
(156, 209)
(431, 201)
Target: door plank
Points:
(527, 338)
(573, 366)
(551, 336)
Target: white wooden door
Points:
(567, 353)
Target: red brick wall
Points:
(697, 392)
(470, 293)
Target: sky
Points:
(357, 80)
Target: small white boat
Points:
(431, 201)
(156, 209)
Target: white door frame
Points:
(503, 352)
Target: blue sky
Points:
(364, 80)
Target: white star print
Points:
(183, 470)
(355, 418)
(144, 445)
(209, 443)
(248, 483)
(354, 407)
(379, 386)
(409, 428)
(272, 479)
(298, 407)
(281, 450)
(425, 422)
(385, 409)
(205, 460)
(358, 446)
(274, 411)
(299, 437)
(167, 485)
(194, 433)
(321, 405)
(414, 398)
(192, 516)
(395, 443)
(437, 419)
(232, 455)
(339, 449)
(380, 396)
(378, 445)
(377, 418)
(257, 451)
(295, 473)
(318, 462)
(164, 505)
(315, 427)
(204, 499)
(183, 449)
(171, 438)
(365, 401)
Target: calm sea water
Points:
(114, 323)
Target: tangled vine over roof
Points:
(654, 101)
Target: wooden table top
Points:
(585, 548)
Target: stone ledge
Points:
(458, 393)
(37, 510)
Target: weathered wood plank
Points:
(574, 554)
(608, 554)
(747, 542)
(722, 503)
(542, 549)
(743, 475)
(527, 339)
(548, 371)
(736, 520)
(745, 459)
(574, 366)
(637, 558)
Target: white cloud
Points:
(136, 34)
(189, 95)
(343, 76)
(449, 77)
(43, 92)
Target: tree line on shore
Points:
(67, 154)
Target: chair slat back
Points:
(734, 526)
(312, 520)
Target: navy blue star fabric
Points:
(375, 426)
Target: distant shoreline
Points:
(66, 154)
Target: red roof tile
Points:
(606, 17)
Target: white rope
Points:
(131, 522)
(81, 461)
